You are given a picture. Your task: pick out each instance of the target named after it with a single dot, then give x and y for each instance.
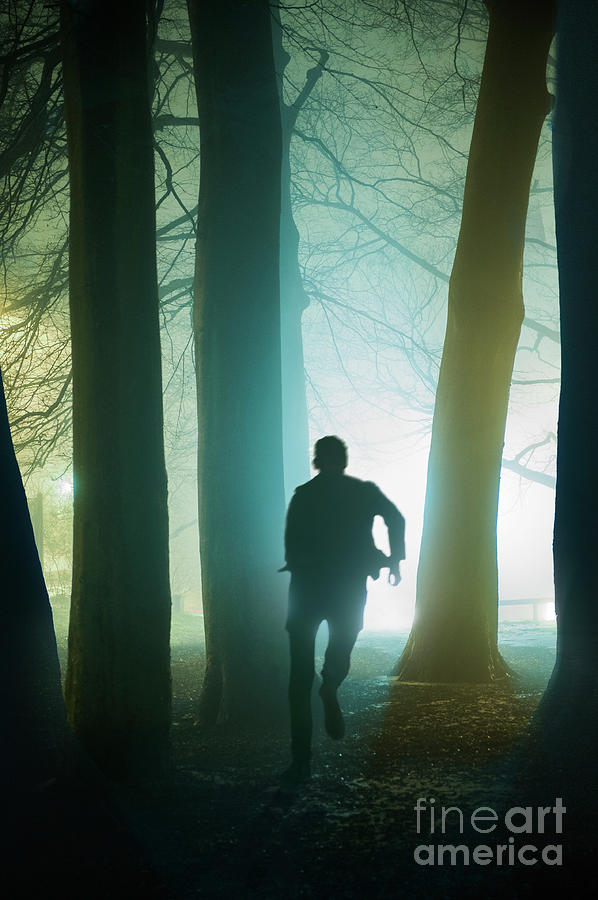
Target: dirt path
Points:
(218, 825)
(221, 827)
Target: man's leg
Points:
(337, 659)
(302, 636)
(343, 628)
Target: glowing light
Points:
(65, 487)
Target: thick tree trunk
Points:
(118, 674)
(454, 636)
(237, 328)
(568, 709)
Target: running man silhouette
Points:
(330, 552)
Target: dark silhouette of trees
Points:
(237, 344)
(380, 217)
(33, 713)
(118, 674)
(454, 637)
(58, 805)
(376, 210)
(566, 717)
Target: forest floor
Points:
(218, 823)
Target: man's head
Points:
(330, 454)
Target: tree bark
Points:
(238, 359)
(118, 674)
(454, 635)
(567, 711)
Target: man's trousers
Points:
(341, 601)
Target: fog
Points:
(377, 166)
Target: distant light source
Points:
(388, 608)
(527, 609)
(65, 487)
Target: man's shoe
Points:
(298, 772)
(333, 717)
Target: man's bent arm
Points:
(395, 523)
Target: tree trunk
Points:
(237, 344)
(567, 712)
(56, 802)
(118, 674)
(34, 722)
(454, 636)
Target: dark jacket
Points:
(329, 527)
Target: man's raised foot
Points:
(333, 717)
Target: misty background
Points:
(377, 157)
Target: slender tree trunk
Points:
(454, 636)
(237, 341)
(293, 301)
(118, 674)
(568, 709)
